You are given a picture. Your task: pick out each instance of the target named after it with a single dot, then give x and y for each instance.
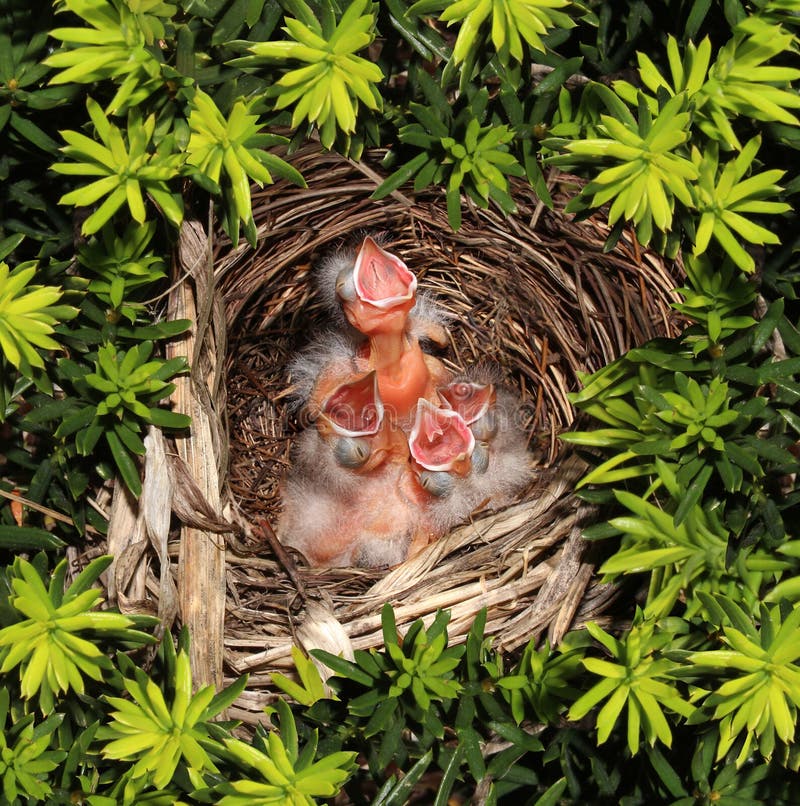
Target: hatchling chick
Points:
(370, 525)
(352, 434)
(377, 292)
(441, 446)
(343, 502)
(501, 463)
(428, 321)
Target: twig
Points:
(56, 516)
(262, 526)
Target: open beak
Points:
(380, 278)
(354, 409)
(470, 400)
(440, 439)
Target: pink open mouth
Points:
(470, 400)
(439, 438)
(355, 409)
(382, 279)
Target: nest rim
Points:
(493, 559)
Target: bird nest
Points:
(534, 293)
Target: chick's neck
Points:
(403, 375)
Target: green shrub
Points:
(119, 117)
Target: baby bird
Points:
(399, 451)
(475, 402)
(351, 419)
(501, 465)
(441, 447)
(351, 434)
(427, 321)
(377, 292)
(369, 526)
(344, 501)
(498, 467)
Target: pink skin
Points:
(388, 505)
(387, 442)
(441, 440)
(385, 291)
(470, 400)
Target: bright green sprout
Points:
(723, 197)
(47, 646)
(647, 175)
(637, 676)
(288, 774)
(28, 316)
(128, 170)
(328, 90)
(762, 697)
(236, 148)
(509, 22)
(119, 41)
(310, 688)
(738, 82)
(155, 735)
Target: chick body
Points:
(367, 521)
(501, 466)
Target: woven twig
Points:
(535, 293)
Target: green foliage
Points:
(722, 198)
(121, 264)
(670, 417)
(235, 147)
(738, 83)
(714, 299)
(409, 679)
(663, 164)
(290, 775)
(646, 175)
(50, 646)
(762, 695)
(21, 93)
(508, 23)
(481, 164)
(629, 397)
(129, 169)
(638, 678)
(25, 757)
(28, 316)
(118, 40)
(328, 90)
(544, 680)
(459, 153)
(310, 689)
(122, 396)
(399, 703)
(158, 736)
(685, 559)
